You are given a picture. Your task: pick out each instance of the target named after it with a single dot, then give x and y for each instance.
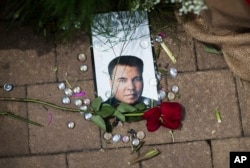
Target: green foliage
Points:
(120, 116)
(96, 104)
(140, 106)
(62, 18)
(102, 112)
(212, 49)
(99, 121)
(123, 107)
(133, 118)
(106, 110)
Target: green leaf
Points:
(96, 104)
(212, 49)
(123, 107)
(119, 115)
(98, 120)
(106, 110)
(140, 106)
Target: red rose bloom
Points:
(168, 115)
(247, 2)
(153, 119)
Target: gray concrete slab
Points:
(67, 62)
(24, 58)
(222, 148)
(200, 94)
(244, 94)
(181, 47)
(14, 133)
(100, 159)
(206, 61)
(48, 161)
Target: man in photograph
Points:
(126, 80)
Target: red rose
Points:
(153, 119)
(247, 2)
(168, 114)
(171, 114)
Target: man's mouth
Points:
(130, 95)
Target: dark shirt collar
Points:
(114, 102)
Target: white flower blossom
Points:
(156, 2)
(186, 6)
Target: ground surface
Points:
(35, 68)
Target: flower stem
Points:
(29, 100)
(6, 113)
(172, 135)
(146, 155)
(133, 114)
(217, 114)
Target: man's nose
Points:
(131, 84)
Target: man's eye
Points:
(138, 79)
(122, 80)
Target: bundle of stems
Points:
(36, 101)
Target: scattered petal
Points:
(50, 118)
(80, 94)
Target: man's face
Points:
(127, 84)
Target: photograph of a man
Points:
(123, 60)
(126, 80)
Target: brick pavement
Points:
(35, 68)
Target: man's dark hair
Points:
(127, 60)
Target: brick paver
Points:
(103, 158)
(182, 48)
(201, 93)
(222, 148)
(48, 161)
(67, 62)
(181, 155)
(244, 93)
(208, 61)
(55, 136)
(13, 133)
(26, 59)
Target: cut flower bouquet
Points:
(166, 114)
